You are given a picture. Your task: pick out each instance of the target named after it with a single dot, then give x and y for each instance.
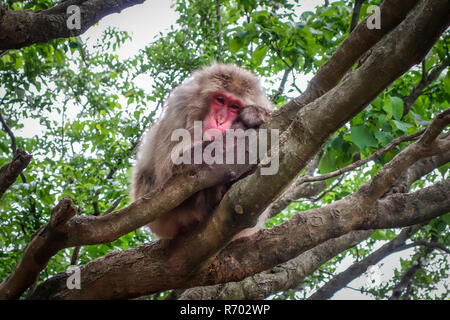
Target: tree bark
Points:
(10, 171)
(22, 28)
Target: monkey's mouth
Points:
(219, 126)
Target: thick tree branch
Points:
(348, 53)
(274, 280)
(85, 230)
(10, 171)
(44, 245)
(25, 27)
(280, 278)
(281, 243)
(149, 269)
(355, 270)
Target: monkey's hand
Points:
(253, 116)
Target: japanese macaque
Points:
(223, 96)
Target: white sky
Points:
(143, 22)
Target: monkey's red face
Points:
(224, 110)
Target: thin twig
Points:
(356, 14)
(432, 245)
(283, 82)
(114, 205)
(359, 163)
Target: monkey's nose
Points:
(220, 121)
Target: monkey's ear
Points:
(253, 116)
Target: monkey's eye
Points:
(235, 107)
(221, 100)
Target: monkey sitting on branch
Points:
(222, 97)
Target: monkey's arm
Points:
(252, 116)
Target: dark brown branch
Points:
(46, 241)
(431, 245)
(283, 82)
(406, 279)
(114, 205)
(75, 253)
(423, 84)
(361, 162)
(9, 133)
(281, 277)
(20, 28)
(10, 172)
(219, 22)
(355, 14)
(13, 146)
(96, 209)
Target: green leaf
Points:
(235, 45)
(377, 102)
(387, 107)
(397, 107)
(443, 169)
(59, 56)
(379, 235)
(18, 63)
(383, 137)
(363, 137)
(259, 54)
(403, 126)
(446, 218)
(447, 83)
(20, 93)
(327, 163)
